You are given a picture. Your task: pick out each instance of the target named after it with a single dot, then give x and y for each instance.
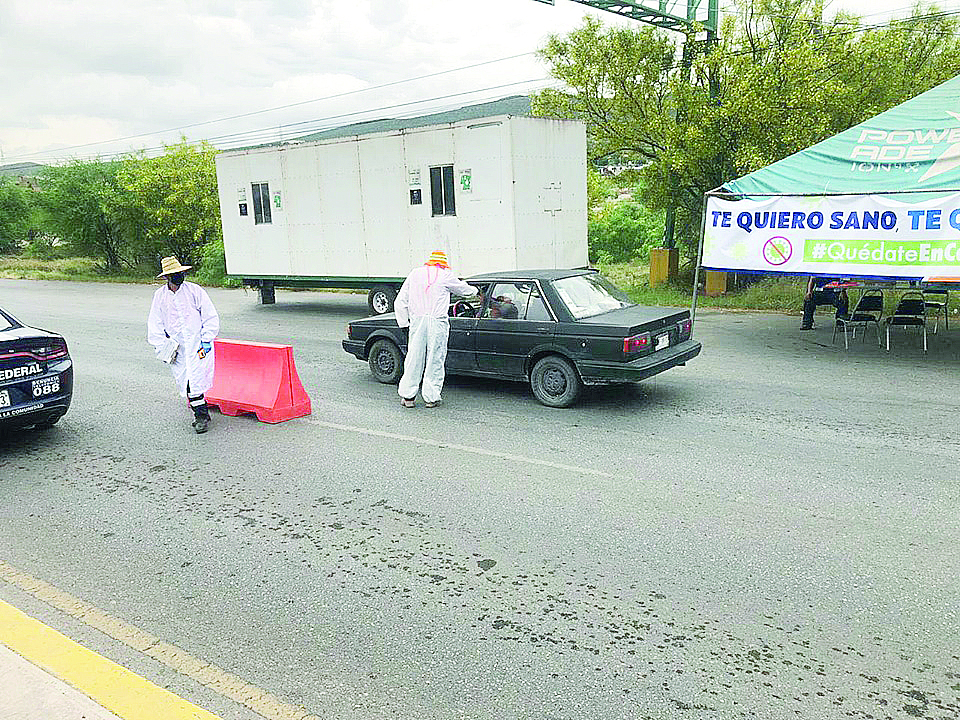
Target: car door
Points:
(513, 321)
(461, 345)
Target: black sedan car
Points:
(36, 375)
(556, 329)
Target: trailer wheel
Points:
(386, 362)
(380, 299)
(267, 294)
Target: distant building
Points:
(616, 170)
(23, 173)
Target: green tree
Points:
(619, 227)
(77, 206)
(15, 212)
(780, 79)
(171, 203)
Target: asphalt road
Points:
(769, 532)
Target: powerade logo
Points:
(908, 149)
(19, 372)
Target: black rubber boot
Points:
(202, 419)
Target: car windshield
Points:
(588, 295)
(5, 323)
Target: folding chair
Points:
(911, 312)
(936, 299)
(869, 309)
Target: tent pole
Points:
(696, 272)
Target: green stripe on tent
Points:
(913, 146)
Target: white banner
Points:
(844, 235)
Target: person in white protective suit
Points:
(422, 306)
(181, 327)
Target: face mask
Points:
(176, 278)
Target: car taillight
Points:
(683, 327)
(636, 343)
(53, 350)
(349, 332)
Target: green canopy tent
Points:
(879, 200)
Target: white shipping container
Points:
(495, 193)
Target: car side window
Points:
(468, 306)
(536, 307)
(504, 302)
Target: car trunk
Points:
(633, 319)
(601, 337)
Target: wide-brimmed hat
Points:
(438, 258)
(170, 265)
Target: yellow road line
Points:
(119, 690)
(213, 677)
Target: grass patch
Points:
(18, 267)
(770, 293)
(82, 269)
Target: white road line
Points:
(463, 448)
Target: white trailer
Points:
(500, 192)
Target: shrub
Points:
(14, 215)
(213, 266)
(623, 230)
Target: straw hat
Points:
(439, 258)
(171, 265)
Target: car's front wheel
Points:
(555, 382)
(386, 362)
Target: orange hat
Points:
(439, 258)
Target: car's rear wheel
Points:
(555, 382)
(386, 362)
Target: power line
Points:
(268, 134)
(281, 107)
(263, 134)
(855, 21)
(337, 120)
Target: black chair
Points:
(869, 309)
(937, 299)
(911, 312)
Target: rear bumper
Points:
(356, 348)
(600, 373)
(29, 409)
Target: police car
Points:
(36, 375)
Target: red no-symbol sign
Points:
(777, 250)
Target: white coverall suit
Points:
(189, 317)
(422, 305)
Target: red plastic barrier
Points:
(257, 378)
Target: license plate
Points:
(46, 386)
(662, 341)
(4, 398)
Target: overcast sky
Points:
(85, 78)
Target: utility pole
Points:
(700, 30)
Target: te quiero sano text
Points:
(931, 219)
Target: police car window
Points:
(5, 323)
